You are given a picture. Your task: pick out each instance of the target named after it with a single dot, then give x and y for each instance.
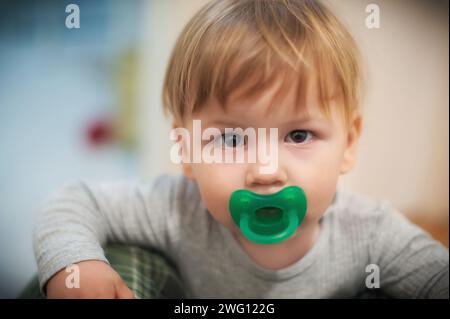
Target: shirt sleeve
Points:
(80, 217)
(411, 263)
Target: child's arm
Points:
(411, 263)
(82, 217)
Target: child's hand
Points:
(97, 280)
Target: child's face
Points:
(312, 158)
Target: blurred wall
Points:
(53, 82)
(404, 146)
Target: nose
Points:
(265, 183)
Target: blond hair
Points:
(232, 44)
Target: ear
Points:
(352, 134)
(187, 167)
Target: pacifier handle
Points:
(269, 239)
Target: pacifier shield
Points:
(268, 219)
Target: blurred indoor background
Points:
(86, 103)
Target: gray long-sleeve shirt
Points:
(167, 213)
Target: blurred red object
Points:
(100, 131)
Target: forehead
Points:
(284, 99)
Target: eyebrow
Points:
(224, 123)
(300, 120)
(303, 120)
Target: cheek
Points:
(216, 182)
(317, 172)
(319, 196)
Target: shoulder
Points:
(370, 220)
(353, 209)
(177, 191)
(381, 223)
(172, 187)
(184, 208)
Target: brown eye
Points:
(298, 136)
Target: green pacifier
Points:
(268, 219)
